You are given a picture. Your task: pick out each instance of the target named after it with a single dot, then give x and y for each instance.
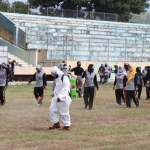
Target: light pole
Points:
(28, 6)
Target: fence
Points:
(91, 15)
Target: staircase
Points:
(19, 62)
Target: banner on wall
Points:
(3, 54)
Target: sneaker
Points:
(4, 104)
(39, 102)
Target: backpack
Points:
(72, 92)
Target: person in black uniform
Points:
(12, 69)
(78, 71)
(139, 78)
(101, 74)
(147, 78)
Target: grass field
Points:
(24, 125)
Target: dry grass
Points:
(24, 126)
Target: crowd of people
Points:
(128, 85)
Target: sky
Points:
(11, 1)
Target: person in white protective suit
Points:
(61, 101)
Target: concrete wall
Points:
(27, 56)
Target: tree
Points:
(107, 6)
(3, 5)
(47, 3)
(19, 7)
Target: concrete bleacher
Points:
(86, 40)
(89, 41)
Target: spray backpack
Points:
(73, 93)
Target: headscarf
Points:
(121, 71)
(2, 64)
(131, 73)
(90, 68)
(56, 70)
(39, 67)
(138, 69)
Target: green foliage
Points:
(109, 6)
(17, 7)
(3, 6)
(20, 7)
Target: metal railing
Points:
(81, 14)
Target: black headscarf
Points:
(91, 68)
(138, 69)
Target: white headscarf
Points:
(56, 70)
(121, 71)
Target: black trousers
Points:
(38, 91)
(2, 94)
(139, 91)
(12, 75)
(148, 93)
(119, 95)
(88, 96)
(144, 79)
(101, 78)
(129, 96)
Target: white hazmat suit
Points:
(61, 91)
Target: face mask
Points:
(126, 67)
(54, 75)
(38, 71)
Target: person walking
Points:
(130, 85)
(147, 79)
(118, 84)
(144, 72)
(101, 74)
(139, 79)
(106, 74)
(78, 71)
(60, 103)
(90, 83)
(40, 85)
(4, 71)
(12, 69)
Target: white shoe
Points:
(4, 104)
